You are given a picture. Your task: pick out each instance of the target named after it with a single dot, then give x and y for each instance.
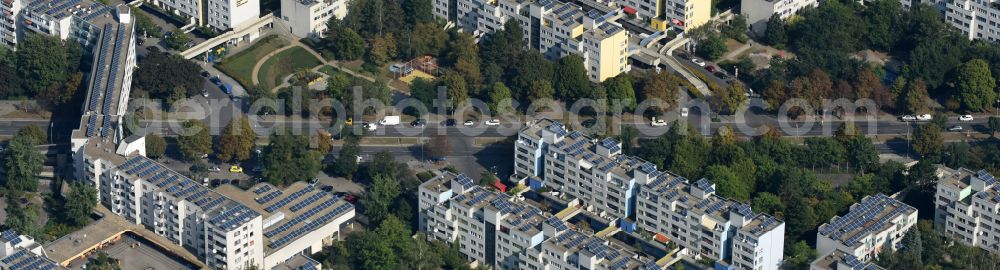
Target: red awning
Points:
(628, 9)
(499, 186)
(661, 238)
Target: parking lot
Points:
(137, 253)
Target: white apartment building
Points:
(839, 260)
(308, 18)
(976, 19)
(221, 15)
(617, 186)
(554, 28)
(10, 30)
(21, 252)
(496, 230)
(759, 12)
(966, 204)
(874, 225)
(80, 20)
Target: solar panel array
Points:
(862, 218)
(986, 177)
(557, 224)
(557, 128)
(309, 200)
(310, 226)
(479, 197)
(743, 210)
(705, 185)
(109, 91)
(10, 236)
(310, 264)
(289, 199)
(303, 217)
(648, 168)
(14, 257)
(262, 189)
(22, 260)
(619, 264)
(233, 217)
(269, 197)
(610, 28)
(503, 205)
(97, 12)
(91, 125)
(463, 180)
(60, 6)
(650, 265)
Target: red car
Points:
(710, 68)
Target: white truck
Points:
(390, 120)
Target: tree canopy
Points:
(237, 141)
(288, 159)
(194, 139)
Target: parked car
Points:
(449, 122)
(907, 118)
(955, 128)
(204, 73)
(326, 188)
(924, 117)
(699, 62)
(965, 118)
(236, 169)
(493, 122)
(683, 56)
(684, 112)
(658, 123)
(468, 123)
(710, 68)
(369, 126)
(214, 169)
(204, 93)
(418, 123)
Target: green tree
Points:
(541, 90)
(729, 185)
(917, 97)
(976, 87)
(661, 87)
(927, 140)
(383, 192)
(161, 75)
(823, 152)
(504, 47)
(570, 81)
(884, 18)
(41, 61)
(348, 45)
(287, 159)
(712, 47)
(237, 141)
(381, 49)
(775, 33)
(418, 11)
(156, 146)
(426, 38)
(729, 99)
(103, 262)
(177, 40)
(994, 123)
(80, 203)
(425, 91)
(347, 159)
(456, 87)
(620, 89)
(23, 163)
(800, 255)
(532, 67)
(35, 134)
(194, 139)
(501, 101)
(767, 203)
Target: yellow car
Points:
(236, 169)
(350, 121)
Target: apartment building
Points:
(10, 30)
(496, 230)
(759, 12)
(839, 260)
(21, 252)
(221, 15)
(308, 18)
(554, 28)
(874, 225)
(616, 186)
(965, 207)
(677, 14)
(976, 19)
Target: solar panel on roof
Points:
(463, 180)
(309, 200)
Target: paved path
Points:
(256, 67)
(731, 55)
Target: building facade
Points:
(839, 260)
(874, 225)
(975, 19)
(10, 30)
(966, 204)
(308, 18)
(497, 230)
(554, 28)
(221, 15)
(759, 12)
(620, 187)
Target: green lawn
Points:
(283, 64)
(329, 70)
(240, 66)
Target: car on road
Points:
(418, 123)
(439, 159)
(924, 117)
(349, 121)
(710, 69)
(215, 80)
(699, 62)
(955, 128)
(369, 126)
(449, 123)
(965, 118)
(204, 93)
(204, 73)
(326, 188)
(215, 169)
(907, 118)
(468, 123)
(683, 56)
(493, 122)
(236, 169)
(658, 123)
(684, 112)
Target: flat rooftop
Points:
(838, 260)
(873, 214)
(291, 213)
(298, 262)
